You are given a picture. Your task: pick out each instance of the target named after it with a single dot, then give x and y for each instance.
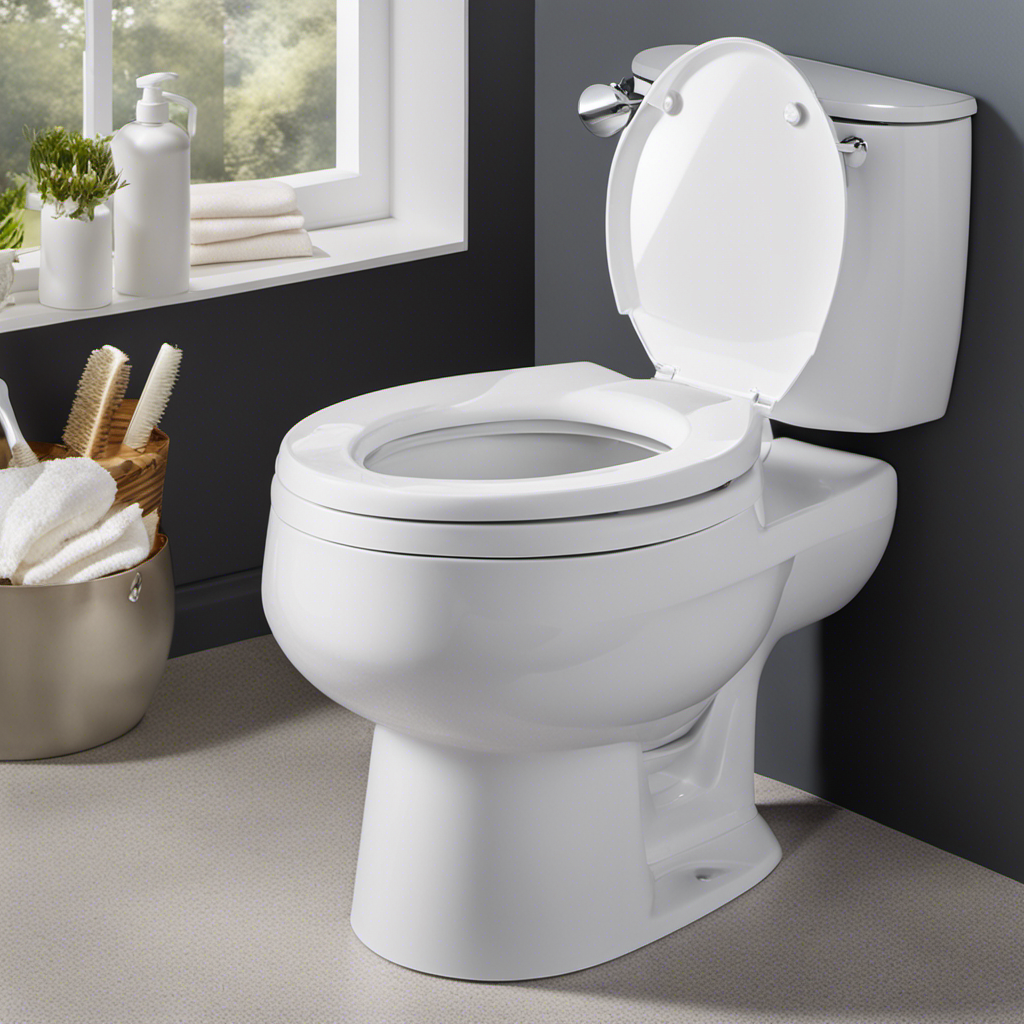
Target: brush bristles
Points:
(154, 398)
(100, 392)
(23, 456)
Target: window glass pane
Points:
(263, 74)
(186, 36)
(41, 44)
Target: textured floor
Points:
(199, 870)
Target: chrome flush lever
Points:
(854, 150)
(606, 109)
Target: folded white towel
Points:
(242, 199)
(117, 542)
(67, 497)
(151, 522)
(128, 551)
(14, 482)
(261, 247)
(223, 229)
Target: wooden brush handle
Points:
(139, 475)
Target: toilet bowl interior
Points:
(510, 450)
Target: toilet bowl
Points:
(553, 588)
(565, 741)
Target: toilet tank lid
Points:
(846, 92)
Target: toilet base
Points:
(706, 878)
(501, 867)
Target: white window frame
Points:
(391, 203)
(358, 189)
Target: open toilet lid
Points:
(725, 220)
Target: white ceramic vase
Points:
(76, 260)
(7, 259)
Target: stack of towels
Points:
(59, 524)
(246, 220)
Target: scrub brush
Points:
(154, 398)
(21, 454)
(100, 391)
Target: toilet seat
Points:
(690, 441)
(537, 538)
(726, 217)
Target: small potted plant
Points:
(74, 177)
(12, 235)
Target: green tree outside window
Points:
(263, 74)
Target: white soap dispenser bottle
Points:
(151, 213)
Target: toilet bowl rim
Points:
(520, 539)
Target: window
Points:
(293, 89)
(360, 104)
(41, 43)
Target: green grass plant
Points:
(72, 172)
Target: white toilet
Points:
(553, 589)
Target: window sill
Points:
(338, 250)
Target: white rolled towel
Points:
(242, 199)
(261, 247)
(117, 542)
(14, 482)
(67, 497)
(223, 229)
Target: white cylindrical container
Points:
(151, 214)
(74, 259)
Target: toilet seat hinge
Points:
(761, 402)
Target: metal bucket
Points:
(80, 662)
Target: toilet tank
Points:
(888, 349)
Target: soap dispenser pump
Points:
(151, 213)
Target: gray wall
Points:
(908, 705)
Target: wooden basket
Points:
(139, 475)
